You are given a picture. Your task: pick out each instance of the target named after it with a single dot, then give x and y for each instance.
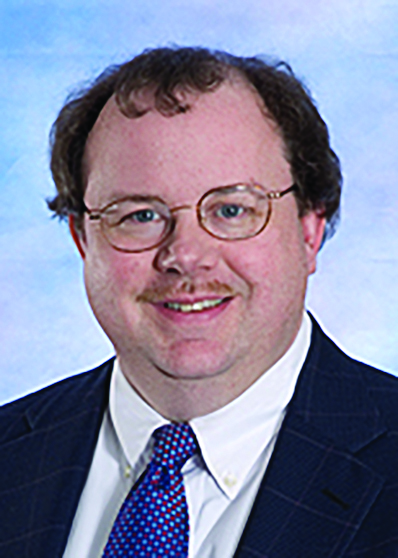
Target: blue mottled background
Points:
(347, 51)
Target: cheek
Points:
(273, 268)
(105, 266)
(112, 286)
(111, 278)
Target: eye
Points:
(145, 215)
(230, 210)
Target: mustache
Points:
(158, 293)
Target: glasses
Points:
(138, 223)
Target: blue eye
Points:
(230, 210)
(144, 215)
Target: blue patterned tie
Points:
(153, 520)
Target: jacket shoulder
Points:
(57, 398)
(383, 388)
(335, 383)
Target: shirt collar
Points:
(133, 419)
(232, 438)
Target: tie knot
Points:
(175, 443)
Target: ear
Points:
(313, 226)
(77, 236)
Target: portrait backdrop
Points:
(347, 53)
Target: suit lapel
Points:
(316, 492)
(46, 451)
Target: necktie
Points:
(153, 520)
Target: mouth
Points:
(195, 307)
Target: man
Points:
(199, 188)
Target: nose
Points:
(189, 249)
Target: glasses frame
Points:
(97, 214)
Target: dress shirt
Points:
(236, 443)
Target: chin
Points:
(194, 361)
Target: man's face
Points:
(224, 139)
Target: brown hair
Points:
(169, 71)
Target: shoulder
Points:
(57, 400)
(352, 378)
(383, 389)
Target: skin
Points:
(187, 365)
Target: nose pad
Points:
(188, 249)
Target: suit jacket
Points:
(330, 490)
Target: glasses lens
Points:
(234, 212)
(135, 225)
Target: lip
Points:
(191, 299)
(191, 317)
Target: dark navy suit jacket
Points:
(330, 490)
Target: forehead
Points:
(224, 137)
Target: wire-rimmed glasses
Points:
(137, 223)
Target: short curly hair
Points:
(166, 72)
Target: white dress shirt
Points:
(236, 444)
